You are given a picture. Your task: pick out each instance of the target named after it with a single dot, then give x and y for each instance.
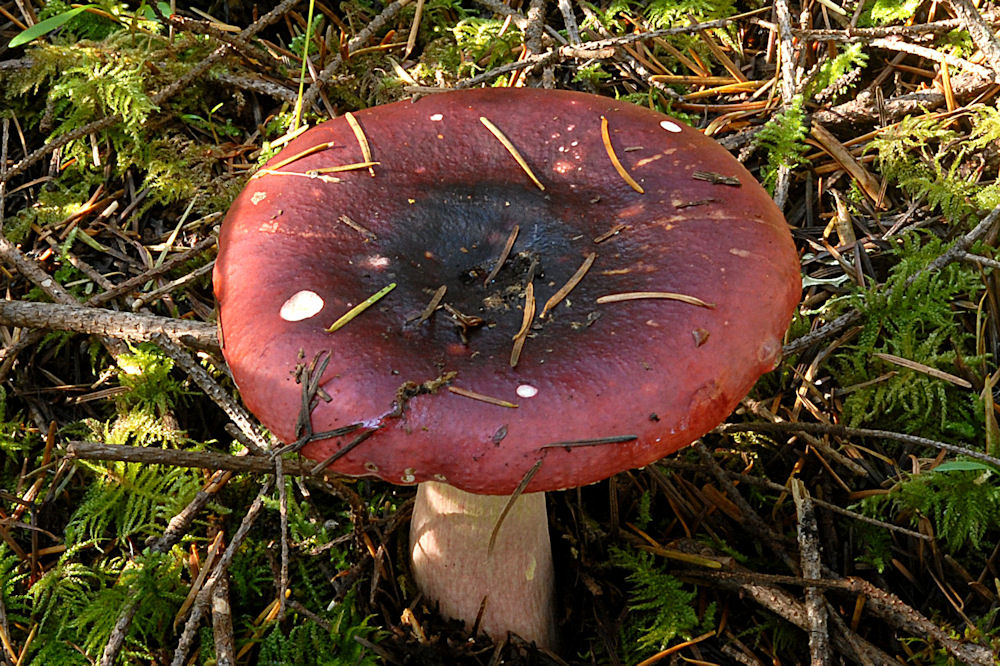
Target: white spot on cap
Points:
(739, 252)
(670, 126)
(408, 475)
(258, 197)
(301, 305)
(377, 261)
(526, 391)
(371, 467)
(437, 117)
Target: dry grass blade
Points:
(319, 147)
(599, 441)
(743, 86)
(345, 167)
(411, 40)
(5, 641)
(357, 227)
(433, 304)
(502, 138)
(564, 290)
(502, 259)
(522, 334)
(510, 502)
(343, 451)
(314, 175)
(665, 295)
(721, 56)
(360, 307)
(864, 178)
(716, 178)
(674, 649)
(926, 369)
(693, 80)
(610, 233)
(359, 134)
(204, 569)
(481, 397)
(626, 176)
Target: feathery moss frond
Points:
(963, 505)
(918, 322)
(783, 141)
(130, 499)
(662, 609)
(925, 157)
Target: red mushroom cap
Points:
(301, 247)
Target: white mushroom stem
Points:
(454, 567)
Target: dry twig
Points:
(130, 326)
(811, 558)
(221, 567)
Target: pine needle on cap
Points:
(512, 150)
(666, 295)
(626, 176)
(563, 291)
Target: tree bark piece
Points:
(859, 112)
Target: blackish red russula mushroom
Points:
(547, 288)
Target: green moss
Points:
(917, 321)
(146, 373)
(962, 504)
(882, 12)
(661, 608)
(850, 59)
(308, 644)
(782, 140)
(935, 160)
(668, 13)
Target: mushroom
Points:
(507, 291)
